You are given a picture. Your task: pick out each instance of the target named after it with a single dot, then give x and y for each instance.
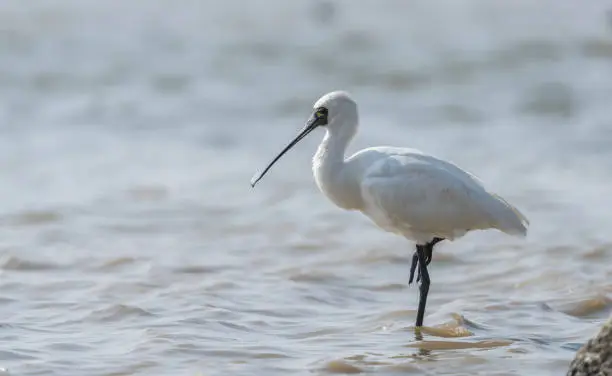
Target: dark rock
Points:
(595, 357)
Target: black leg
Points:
(421, 258)
(425, 282)
(435, 241)
(428, 257)
(429, 249)
(415, 262)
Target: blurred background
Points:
(132, 244)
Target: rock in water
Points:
(595, 357)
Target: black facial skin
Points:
(317, 119)
(321, 114)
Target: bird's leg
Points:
(415, 262)
(425, 282)
(436, 240)
(428, 254)
(429, 249)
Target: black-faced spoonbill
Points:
(403, 191)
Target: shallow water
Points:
(132, 244)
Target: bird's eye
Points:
(319, 116)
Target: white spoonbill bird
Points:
(403, 191)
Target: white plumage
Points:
(422, 197)
(401, 190)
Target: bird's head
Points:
(335, 111)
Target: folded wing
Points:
(419, 194)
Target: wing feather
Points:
(418, 194)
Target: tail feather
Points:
(509, 219)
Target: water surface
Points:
(132, 244)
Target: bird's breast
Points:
(338, 188)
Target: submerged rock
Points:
(595, 357)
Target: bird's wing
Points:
(416, 193)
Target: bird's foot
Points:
(429, 249)
(428, 255)
(413, 267)
(418, 278)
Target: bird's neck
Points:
(329, 169)
(330, 154)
